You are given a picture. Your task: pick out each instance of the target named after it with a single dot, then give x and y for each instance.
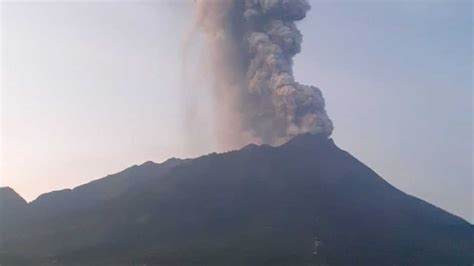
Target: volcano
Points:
(306, 202)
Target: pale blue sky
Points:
(90, 88)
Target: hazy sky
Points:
(90, 88)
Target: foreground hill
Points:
(304, 203)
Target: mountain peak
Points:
(309, 140)
(148, 163)
(250, 146)
(6, 190)
(8, 195)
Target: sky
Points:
(89, 88)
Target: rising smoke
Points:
(251, 45)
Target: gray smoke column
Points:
(251, 45)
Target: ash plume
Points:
(251, 45)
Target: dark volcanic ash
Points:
(251, 45)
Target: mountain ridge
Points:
(260, 205)
(298, 140)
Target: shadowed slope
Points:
(306, 202)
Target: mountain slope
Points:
(97, 191)
(304, 203)
(11, 205)
(10, 199)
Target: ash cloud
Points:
(251, 45)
